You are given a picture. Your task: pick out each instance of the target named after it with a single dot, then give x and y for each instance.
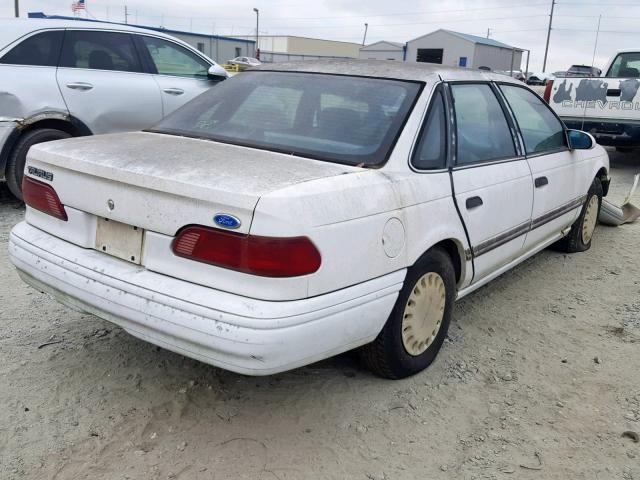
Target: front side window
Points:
(432, 147)
(41, 49)
(99, 51)
(540, 128)
(172, 59)
(336, 118)
(626, 65)
(482, 130)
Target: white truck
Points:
(607, 107)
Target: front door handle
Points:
(173, 91)
(473, 202)
(83, 86)
(541, 182)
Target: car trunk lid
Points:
(161, 182)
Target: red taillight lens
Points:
(265, 256)
(547, 91)
(43, 197)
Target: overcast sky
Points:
(520, 23)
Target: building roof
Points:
(412, 71)
(471, 38)
(88, 23)
(393, 45)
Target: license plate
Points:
(119, 239)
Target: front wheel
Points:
(418, 324)
(581, 234)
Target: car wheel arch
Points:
(54, 120)
(456, 252)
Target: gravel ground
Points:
(538, 380)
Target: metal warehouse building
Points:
(456, 49)
(383, 50)
(282, 48)
(215, 47)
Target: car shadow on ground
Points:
(7, 198)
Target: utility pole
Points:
(17, 7)
(595, 46)
(546, 49)
(488, 32)
(126, 15)
(257, 33)
(366, 27)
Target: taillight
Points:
(264, 256)
(43, 197)
(547, 91)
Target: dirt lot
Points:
(540, 377)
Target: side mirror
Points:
(579, 140)
(217, 73)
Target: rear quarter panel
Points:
(365, 225)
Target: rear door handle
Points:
(541, 182)
(173, 91)
(83, 86)
(614, 92)
(473, 202)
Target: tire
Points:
(18, 156)
(581, 235)
(396, 353)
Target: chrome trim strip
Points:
(523, 228)
(557, 212)
(501, 239)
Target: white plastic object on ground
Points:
(627, 213)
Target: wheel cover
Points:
(590, 219)
(423, 313)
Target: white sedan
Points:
(302, 210)
(245, 61)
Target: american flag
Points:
(78, 5)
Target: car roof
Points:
(12, 29)
(421, 72)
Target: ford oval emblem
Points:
(225, 220)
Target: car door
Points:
(28, 77)
(102, 81)
(180, 73)
(557, 172)
(491, 179)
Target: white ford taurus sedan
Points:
(300, 210)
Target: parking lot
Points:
(539, 378)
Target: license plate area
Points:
(119, 240)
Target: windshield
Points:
(341, 119)
(626, 65)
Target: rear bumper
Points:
(248, 336)
(612, 133)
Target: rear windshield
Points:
(625, 65)
(342, 119)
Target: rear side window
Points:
(482, 130)
(172, 59)
(432, 146)
(540, 128)
(41, 49)
(99, 51)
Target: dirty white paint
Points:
(369, 225)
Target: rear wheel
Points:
(418, 324)
(581, 234)
(18, 156)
